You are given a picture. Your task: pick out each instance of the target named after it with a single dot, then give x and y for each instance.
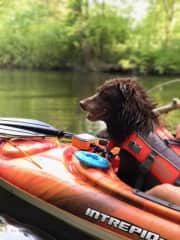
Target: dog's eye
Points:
(105, 96)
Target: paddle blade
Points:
(15, 132)
(32, 125)
(24, 122)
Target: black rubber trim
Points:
(156, 200)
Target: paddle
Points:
(35, 126)
(17, 132)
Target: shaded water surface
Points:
(54, 97)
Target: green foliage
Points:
(59, 34)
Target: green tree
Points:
(156, 38)
(90, 34)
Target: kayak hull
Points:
(54, 191)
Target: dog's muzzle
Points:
(82, 104)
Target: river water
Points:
(54, 97)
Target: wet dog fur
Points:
(125, 107)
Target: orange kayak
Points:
(48, 184)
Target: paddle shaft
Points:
(43, 130)
(31, 128)
(36, 126)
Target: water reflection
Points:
(54, 97)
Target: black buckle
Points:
(134, 146)
(144, 169)
(145, 166)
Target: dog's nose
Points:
(82, 104)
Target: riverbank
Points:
(93, 67)
(97, 37)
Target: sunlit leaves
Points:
(60, 33)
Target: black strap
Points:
(177, 182)
(144, 169)
(172, 142)
(156, 200)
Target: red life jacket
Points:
(155, 154)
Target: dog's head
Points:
(107, 99)
(114, 97)
(121, 103)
